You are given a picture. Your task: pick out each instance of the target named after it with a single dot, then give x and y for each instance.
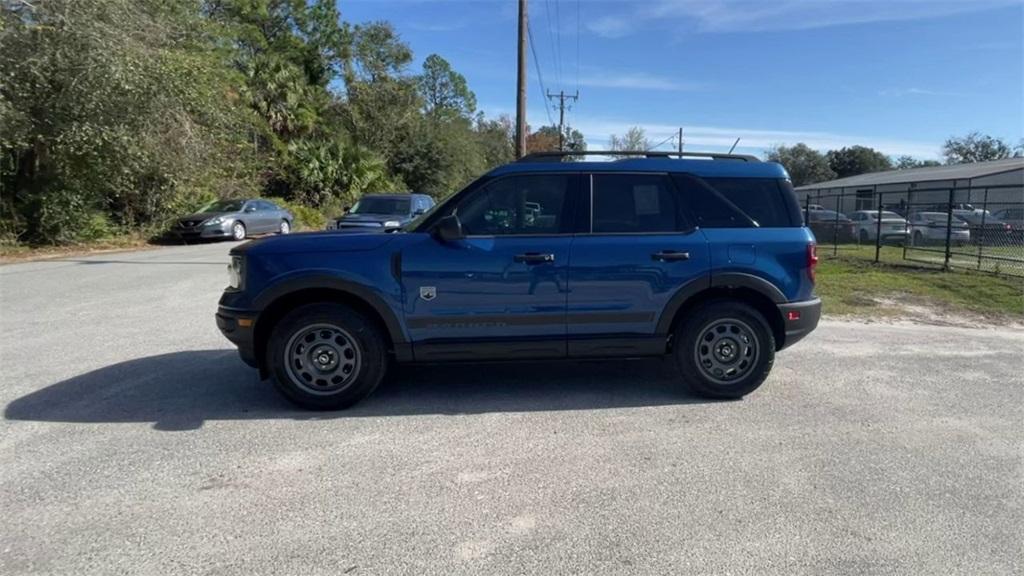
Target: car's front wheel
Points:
(326, 356)
(864, 236)
(725, 349)
(284, 228)
(238, 231)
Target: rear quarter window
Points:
(734, 202)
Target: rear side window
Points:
(770, 202)
(634, 203)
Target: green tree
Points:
(854, 160)
(905, 162)
(116, 113)
(443, 90)
(495, 140)
(804, 164)
(976, 147)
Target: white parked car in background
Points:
(894, 227)
(930, 228)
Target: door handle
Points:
(670, 256)
(534, 258)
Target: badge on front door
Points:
(428, 292)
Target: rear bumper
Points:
(805, 316)
(237, 326)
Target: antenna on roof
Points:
(734, 145)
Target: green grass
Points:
(856, 286)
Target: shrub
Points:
(306, 218)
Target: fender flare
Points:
(328, 282)
(724, 280)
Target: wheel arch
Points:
(751, 290)
(279, 301)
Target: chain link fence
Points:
(974, 228)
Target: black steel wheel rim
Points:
(322, 359)
(726, 351)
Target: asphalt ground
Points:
(134, 441)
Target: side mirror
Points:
(449, 229)
(346, 209)
(250, 209)
(418, 212)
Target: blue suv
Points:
(706, 260)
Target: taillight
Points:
(812, 259)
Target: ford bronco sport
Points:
(706, 260)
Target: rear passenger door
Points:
(634, 250)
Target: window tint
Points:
(760, 198)
(264, 205)
(769, 202)
(634, 203)
(516, 205)
(708, 208)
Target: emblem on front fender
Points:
(428, 292)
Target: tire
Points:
(308, 353)
(918, 239)
(864, 236)
(284, 227)
(238, 231)
(738, 332)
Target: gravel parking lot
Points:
(134, 441)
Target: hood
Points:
(202, 216)
(329, 241)
(369, 218)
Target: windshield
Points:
(224, 206)
(382, 205)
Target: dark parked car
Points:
(985, 228)
(384, 211)
(707, 262)
(829, 227)
(234, 219)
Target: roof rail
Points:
(554, 156)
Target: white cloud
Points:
(717, 138)
(638, 81)
(898, 92)
(761, 15)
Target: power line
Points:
(555, 61)
(558, 34)
(662, 143)
(536, 66)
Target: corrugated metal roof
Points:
(929, 174)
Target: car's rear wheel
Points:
(284, 227)
(725, 349)
(326, 356)
(238, 231)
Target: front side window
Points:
(532, 204)
(634, 203)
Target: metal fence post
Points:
(835, 228)
(981, 236)
(878, 229)
(949, 227)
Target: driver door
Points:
(501, 291)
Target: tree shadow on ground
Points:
(182, 390)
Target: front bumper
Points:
(799, 319)
(202, 232)
(237, 326)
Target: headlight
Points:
(392, 224)
(236, 272)
(214, 221)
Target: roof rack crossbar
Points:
(555, 156)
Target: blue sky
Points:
(897, 75)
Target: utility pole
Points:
(680, 139)
(562, 97)
(521, 85)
